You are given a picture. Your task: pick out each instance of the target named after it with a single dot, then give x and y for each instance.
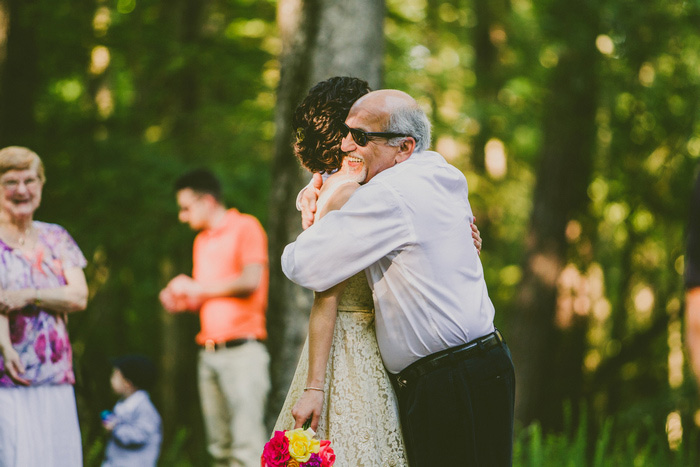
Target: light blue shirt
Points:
(408, 228)
(137, 435)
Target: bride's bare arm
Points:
(321, 327)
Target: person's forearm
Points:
(69, 298)
(347, 241)
(5, 341)
(321, 327)
(64, 299)
(241, 286)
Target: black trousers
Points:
(461, 414)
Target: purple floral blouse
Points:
(39, 336)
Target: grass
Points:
(614, 442)
(608, 445)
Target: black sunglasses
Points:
(362, 137)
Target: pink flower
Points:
(276, 451)
(326, 454)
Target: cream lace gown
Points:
(360, 415)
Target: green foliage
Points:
(598, 445)
(191, 83)
(129, 95)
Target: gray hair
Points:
(410, 120)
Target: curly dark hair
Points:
(318, 119)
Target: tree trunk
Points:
(321, 39)
(20, 78)
(541, 351)
(489, 72)
(179, 353)
(4, 24)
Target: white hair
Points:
(410, 120)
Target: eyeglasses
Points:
(13, 184)
(362, 137)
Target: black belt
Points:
(211, 346)
(448, 357)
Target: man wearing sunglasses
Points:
(408, 228)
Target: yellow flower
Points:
(302, 444)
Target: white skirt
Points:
(39, 427)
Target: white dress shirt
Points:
(408, 228)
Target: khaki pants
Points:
(233, 388)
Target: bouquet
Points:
(297, 448)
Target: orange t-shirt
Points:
(222, 253)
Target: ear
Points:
(209, 199)
(406, 148)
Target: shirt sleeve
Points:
(370, 226)
(253, 243)
(67, 250)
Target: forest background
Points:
(574, 121)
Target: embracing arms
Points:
(306, 203)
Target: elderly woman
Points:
(41, 280)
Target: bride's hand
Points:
(308, 201)
(308, 406)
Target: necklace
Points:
(22, 236)
(22, 239)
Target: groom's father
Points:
(408, 228)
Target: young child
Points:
(134, 424)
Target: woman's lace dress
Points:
(360, 413)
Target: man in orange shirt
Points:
(228, 287)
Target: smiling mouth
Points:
(355, 160)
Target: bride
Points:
(360, 413)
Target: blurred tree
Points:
(540, 348)
(489, 35)
(19, 78)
